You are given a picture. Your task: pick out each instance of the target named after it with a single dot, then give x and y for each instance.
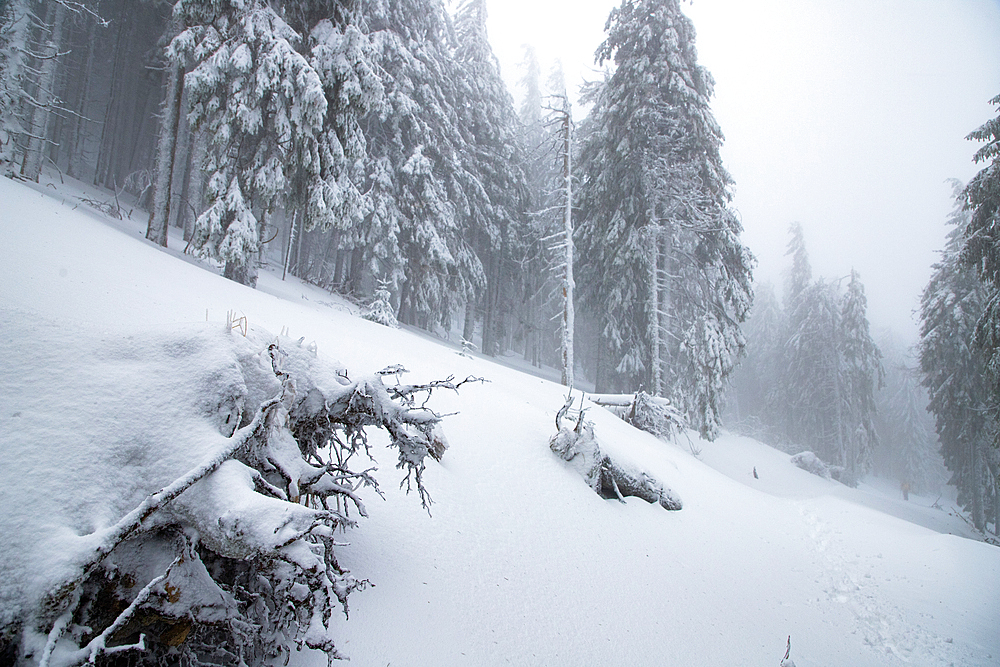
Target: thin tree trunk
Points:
(469, 328)
(490, 342)
(569, 315)
(110, 125)
(159, 216)
(182, 165)
(289, 240)
(195, 186)
(656, 363)
(665, 302)
(978, 504)
(78, 140)
(32, 166)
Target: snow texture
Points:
(518, 562)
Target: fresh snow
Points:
(519, 561)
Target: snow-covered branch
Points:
(239, 552)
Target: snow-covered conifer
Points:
(862, 375)
(800, 273)
(662, 264)
(494, 189)
(813, 395)
(415, 172)
(380, 309)
(755, 398)
(915, 454)
(262, 106)
(955, 369)
(982, 198)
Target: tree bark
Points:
(469, 328)
(159, 216)
(569, 316)
(32, 166)
(655, 362)
(978, 500)
(195, 186)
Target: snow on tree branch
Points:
(234, 562)
(578, 446)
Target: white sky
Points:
(844, 115)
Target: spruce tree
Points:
(493, 182)
(415, 166)
(982, 250)
(756, 399)
(262, 105)
(862, 375)
(661, 263)
(813, 397)
(955, 369)
(538, 248)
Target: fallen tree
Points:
(652, 414)
(576, 444)
(234, 562)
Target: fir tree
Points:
(262, 105)
(800, 273)
(916, 459)
(661, 258)
(813, 395)
(415, 169)
(380, 309)
(982, 198)
(494, 182)
(955, 369)
(862, 375)
(755, 400)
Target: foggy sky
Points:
(847, 116)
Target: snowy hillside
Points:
(519, 562)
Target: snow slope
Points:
(520, 562)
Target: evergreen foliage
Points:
(812, 371)
(955, 370)
(496, 186)
(415, 172)
(661, 263)
(380, 309)
(862, 376)
(982, 250)
(262, 105)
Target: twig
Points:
(58, 628)
(132, 522)
(99, 643)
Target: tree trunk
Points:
(665, 304)
(655, 362)
(110, 126)
(469, 328)
(195, 187)
(159, 216)
(490, 315)
(569, 315)
(182, 165)
(32, 166)
(978, 500)
(78, 143)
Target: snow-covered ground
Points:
(519, 562)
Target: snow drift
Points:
(521, 562)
